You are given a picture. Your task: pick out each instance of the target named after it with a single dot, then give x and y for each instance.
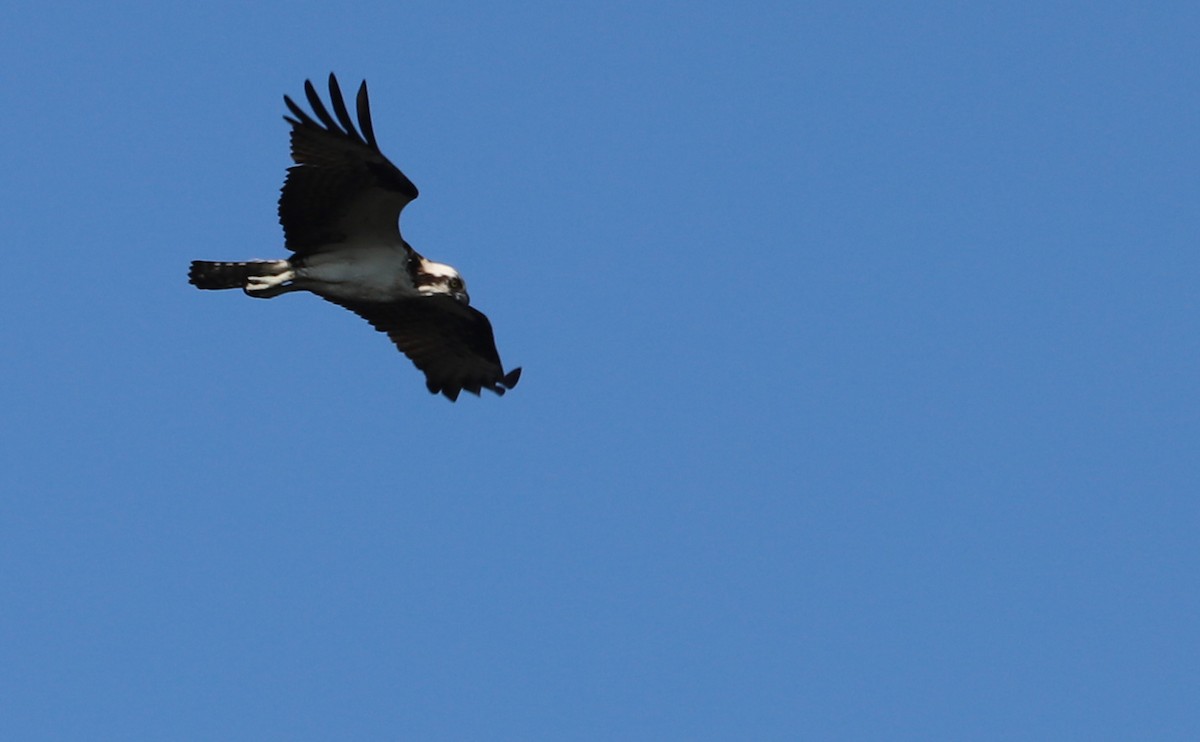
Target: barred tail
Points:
(206, 274)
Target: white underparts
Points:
(357, 273)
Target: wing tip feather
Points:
(339, 108)
(452, 391)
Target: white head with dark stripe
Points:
(438, 278)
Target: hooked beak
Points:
(463, 298)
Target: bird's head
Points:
(439, 278)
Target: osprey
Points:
(340, 210)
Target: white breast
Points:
(362, 273)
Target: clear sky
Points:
(861, 350)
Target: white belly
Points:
(362, 273)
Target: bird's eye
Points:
(456, 283)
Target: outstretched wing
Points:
(342, 188)
(451, 342)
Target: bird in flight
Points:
(340, 209)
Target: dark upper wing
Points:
(341, 187)
(451, 342)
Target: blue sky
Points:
(860, 349)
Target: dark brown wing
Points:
(341, 187)
(451, 342)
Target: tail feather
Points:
(207, 274)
